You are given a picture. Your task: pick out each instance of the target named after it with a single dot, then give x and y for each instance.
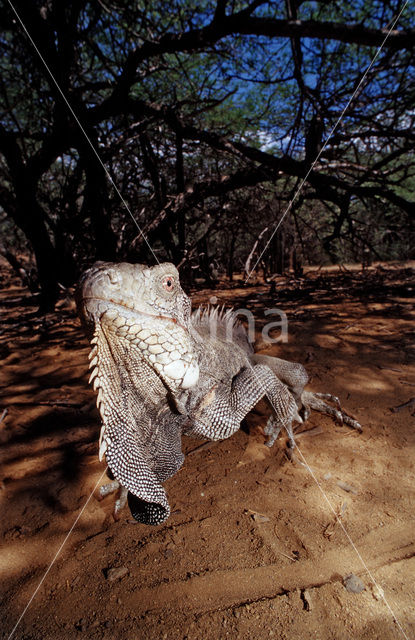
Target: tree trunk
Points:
(181, 220)
(28, 216)
(231, 257)
(95, 206)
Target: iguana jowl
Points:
(161, 372)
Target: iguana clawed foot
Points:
(312, 400)
(273, 428)
(120, 502)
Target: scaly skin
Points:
(161, 372)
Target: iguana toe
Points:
(120, 502)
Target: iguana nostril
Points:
(113, 277)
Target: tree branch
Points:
(243, 23)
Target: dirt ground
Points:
(252, 548)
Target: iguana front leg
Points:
(294, 375)
(221, 411)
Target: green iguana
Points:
(161, 372)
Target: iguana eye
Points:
(168, 283)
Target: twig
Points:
(199, 447)
(286, 556)
(314, 431)
(408, 403)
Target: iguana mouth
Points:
(136, 312)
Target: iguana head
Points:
(148, 307)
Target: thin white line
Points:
(297, 449)
(290, 204)
(147, 243)
(334, 512)
(83, 130)
(56, 555)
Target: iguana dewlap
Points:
(161, 372)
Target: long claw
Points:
(351, 422)
(120, 503)
(328, 396)
(108, 488)
(272, 430)
(305, 412)
(315, 401)
(338, 416)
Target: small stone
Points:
(377, 592)
(17, 532)
(307, 600)
(259, 517)
(353, 583)
(116, 573)
(347, 487)
(81, 625)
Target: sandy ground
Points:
(252, 548)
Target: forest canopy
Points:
(207, 116)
